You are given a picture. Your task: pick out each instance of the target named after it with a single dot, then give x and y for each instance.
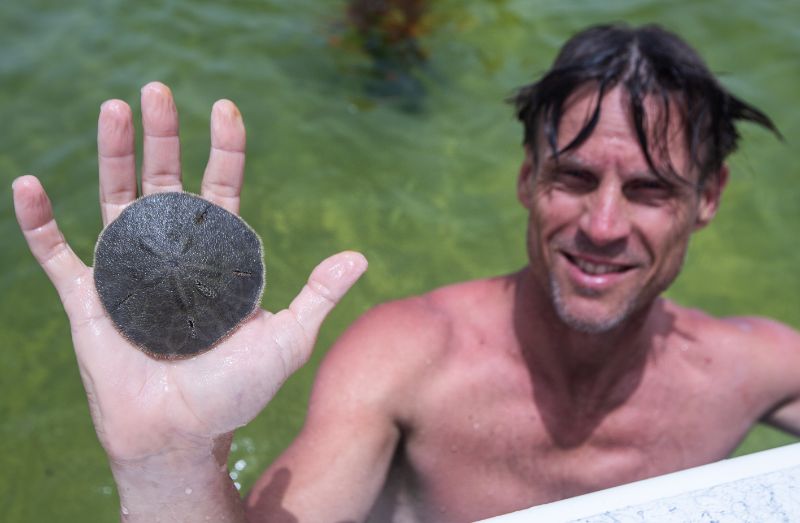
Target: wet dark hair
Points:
(649, 62)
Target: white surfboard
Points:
(763, 487)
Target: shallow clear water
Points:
(417, 173)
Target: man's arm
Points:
(335, 468)
(360, 408)
(778, 353)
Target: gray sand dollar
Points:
(177, 273)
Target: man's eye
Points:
(576, 179)
(648, 191)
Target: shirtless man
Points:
(476, 399)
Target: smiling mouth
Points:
(596, 269)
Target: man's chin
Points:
(586, 315)
(591, 325)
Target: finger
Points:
(35, 218)
(222, 181)
(115, 158)
(328, 282)
(161, 160)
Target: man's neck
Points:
(585, 374)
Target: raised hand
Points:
(146, 409)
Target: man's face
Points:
(606, 235)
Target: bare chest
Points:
(479, 451)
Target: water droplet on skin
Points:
(188, 490)
(234, 475)
(240, 465)
(124, 511)
(237, 485)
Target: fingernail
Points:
(113, 106)
(155, 87)
(227, 108)
(355, 258)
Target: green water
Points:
(420, 179)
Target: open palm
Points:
(142, 406)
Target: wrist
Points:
(179, 486)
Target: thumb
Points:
(328, 282)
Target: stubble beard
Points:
(587, 325)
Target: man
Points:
(476, 399)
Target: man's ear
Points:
(525, 180)
(710, 196)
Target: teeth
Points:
(596, 268)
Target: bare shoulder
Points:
(765, 333)
(769, 351)
(770, 346)
(394, 347)
(749, 333)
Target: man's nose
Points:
(605, 217)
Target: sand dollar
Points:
(177, 273)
